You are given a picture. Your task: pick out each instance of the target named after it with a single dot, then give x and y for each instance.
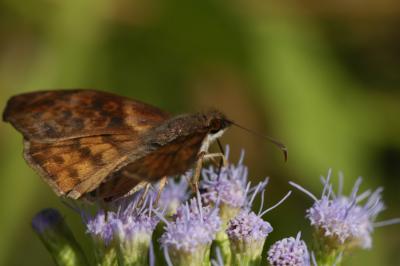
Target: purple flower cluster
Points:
(174, 193)
(342, 218)
(100, 227)
(247, 232)
(228, 184)
(194, 226)
(223, 213)
(289, 251)
(127, 223)
(187, 239)
(229, 188)
(248, 227)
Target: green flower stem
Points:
(327, 250)
(58, 239)
(104, 254)
(226, 213)
(328, 259)
(201, 257)
(243, 260)
(134, 252)
(247, 254)
(222, 242)
(108, 257)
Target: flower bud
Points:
(289, 251)
(247, 233)
(51, 228)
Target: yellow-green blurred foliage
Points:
(323, 76)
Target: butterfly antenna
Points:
(277, 143)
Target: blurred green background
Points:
(323, 77)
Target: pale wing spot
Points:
(135, 122)
(95, 180)
(99, 148)
(91, 140)
(109, 154)
(67, 184)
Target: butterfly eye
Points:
(215, 126)
(214, 131)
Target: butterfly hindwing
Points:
(171, 159)
(75, 167)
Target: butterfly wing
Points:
(76, 138)
(59, 115)
(171, 159)
(80, 140)
(107, 164)
(77, 166)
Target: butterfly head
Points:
(216, 122)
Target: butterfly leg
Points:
(194, 183)
(199, 164)
(223, 162)
(163, 182)
(141, 185)
(145, 193)
(213, 156)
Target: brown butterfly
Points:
(87, 142)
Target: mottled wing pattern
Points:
(118, 185)
(171, 159)
(83, 141)
(58, 115)
(77, 166)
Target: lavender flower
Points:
(100, 228)
(133, 227)
(229, 188)
(221, 217)
(247, 233)
(187, 240)
(341, 222)
(174, 193)
(226, 185)
(289, 251)
(247, 228)
(125, 232)
(58, 238)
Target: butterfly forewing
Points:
(76, 138)
(57, 115)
